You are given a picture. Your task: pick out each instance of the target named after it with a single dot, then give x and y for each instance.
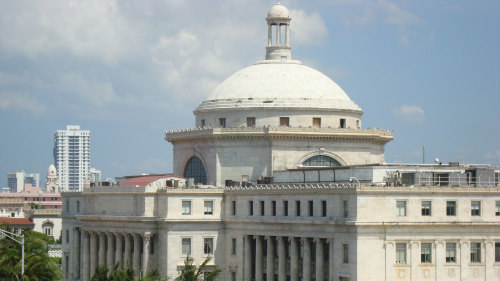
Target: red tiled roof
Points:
(16, 221)
(141, 181)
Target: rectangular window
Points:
(317, 122)
(285, 208)
(67, 236)
(250, 208)
(186, 246)
(400, 252)
(250, 121)
(297, 208)
(208, 246)
(497, 252)
(401, 208)
(497, 208)
(345, 248)
(323, 208)
(202, 122)
(186, 207)
(475, 252)
(475, 208)
(262, 208)
(233, 276)
(342, 123)
(78, 206)
(233, 246)
(426, 253)
(346, 209)
(311, 208)
(67, 206)
(284, 121)
(273, 203)
(426, 208)
(451, 208)
(208, 208)
(222, 122)
(451, 252)
(234, 207)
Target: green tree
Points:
(38, 265)
(192, 273)
(127, 274)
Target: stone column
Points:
(128, 251)
(439, 258)
(258, 258)
(331, 267)
(110, 253)
(464, 259)
(269, 34)
(287, 36)
(319, 259)
(248, 259)
(84, 263)
(278, 35)
(145, 252)
(93, 253)
(306, 262)
(414, 259)
(162, 257)
(282, 276)
(102, 248)
(76, 254)
(489, 259)
(294, 260)
(270, 258)
(119, 249)
(137, 254)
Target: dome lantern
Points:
(278, 21)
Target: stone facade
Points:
(340, 231)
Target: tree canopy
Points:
(38, 266)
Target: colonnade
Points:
(288, 258)
(92, 248)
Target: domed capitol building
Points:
(279, 181)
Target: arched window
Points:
(195, 169)
(321, 161)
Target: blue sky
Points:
(129, 70)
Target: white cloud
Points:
(368, 12)
(21, 103)
(91, 29)
(307, 29)
(410, 114)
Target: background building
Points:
(15, 181)
(72, 156)
(94, 176)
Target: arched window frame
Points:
(308, 156)
(198, 178)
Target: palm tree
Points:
(38, 265)
(191, 273)
(126, 274)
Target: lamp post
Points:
(15, 237)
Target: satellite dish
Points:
(436, 160)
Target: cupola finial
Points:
(278, 21)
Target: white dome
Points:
(52, 170)
(278, 11)
(275, 84)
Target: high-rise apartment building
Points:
(72, 156)
(15, 181)
(33, 179)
